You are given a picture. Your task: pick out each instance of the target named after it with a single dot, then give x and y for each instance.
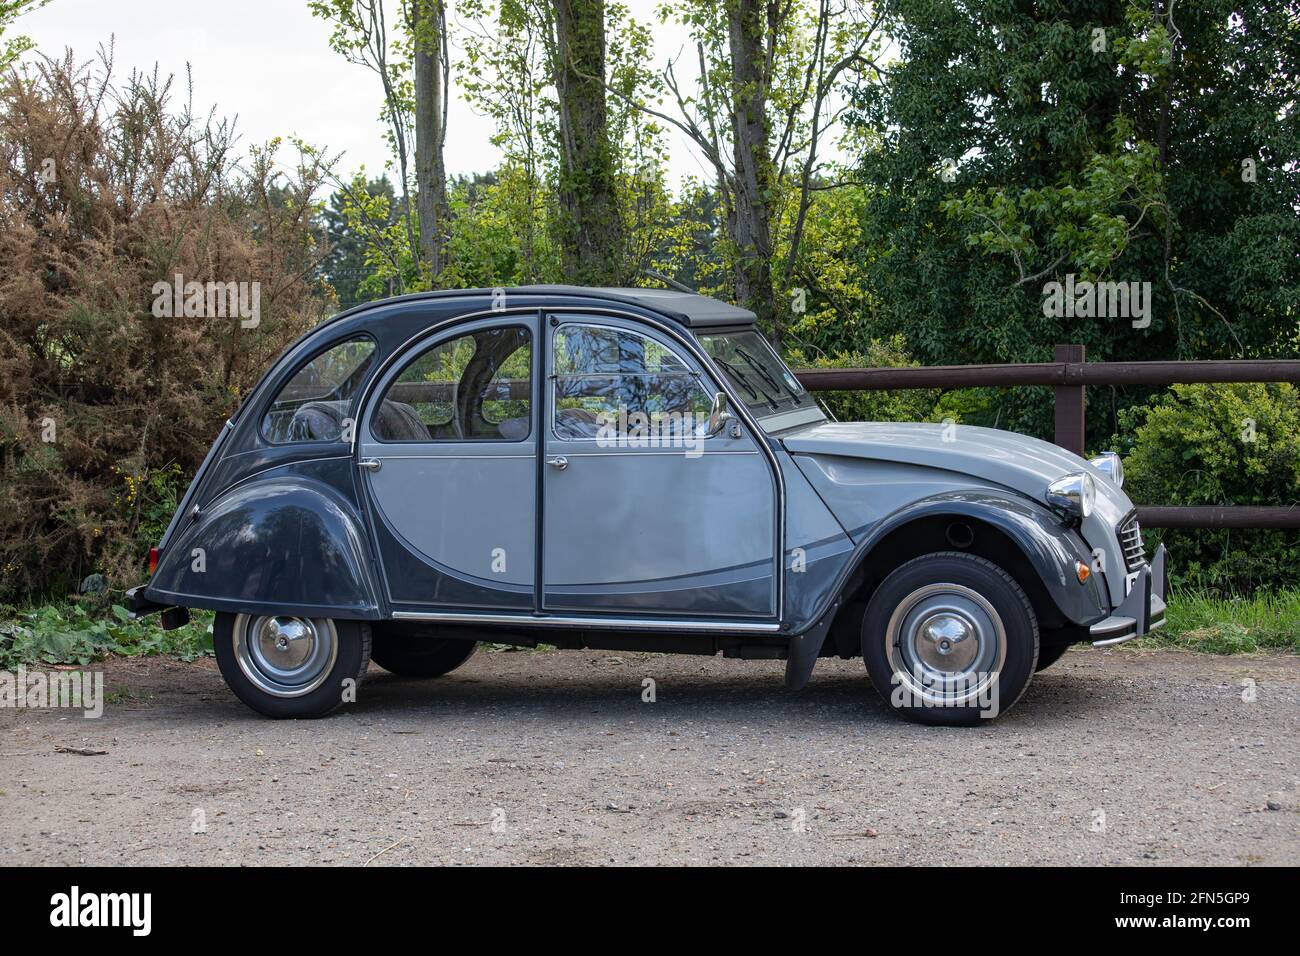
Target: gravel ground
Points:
(1118, 756)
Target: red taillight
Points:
(153, 560)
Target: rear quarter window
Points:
(316, 403)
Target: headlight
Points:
(1073, 494)
(1109, 464)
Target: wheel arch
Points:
(287, 544)
(1027, 541)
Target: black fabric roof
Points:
(688, 308)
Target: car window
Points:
(315, 403)
(613, 378)
(760, 378)
(474, 387)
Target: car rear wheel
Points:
(417, 655)
(286, 666)
(949, 638)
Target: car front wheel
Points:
(286, 666)
(950, 638)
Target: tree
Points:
(588, 226)
(752, 27)
(769, 80)
(109, 395)
(510, 74)
(1109, 141)
(14, 47)
(415, 108)
(345, 266)
(1015, 146)
(427, 23)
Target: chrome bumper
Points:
(1141, 612)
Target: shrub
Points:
(1233, 444)
(903, 405)
(106, 408)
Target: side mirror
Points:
(720, 416)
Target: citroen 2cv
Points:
(628, 469)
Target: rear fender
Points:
(289, 544)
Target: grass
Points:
(74, 634)
(1201, 621)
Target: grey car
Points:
(628, 469)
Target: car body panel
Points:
(292, 540)
(952, 454)
(669, 525)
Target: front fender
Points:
(290, 545)
(1050, 547)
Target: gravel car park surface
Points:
(1117, 756)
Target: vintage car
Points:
(628, 469)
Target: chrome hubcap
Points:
(946, 644)
(285, 656)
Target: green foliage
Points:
(1219, 445)
(14, 46)
(1011, 145)
(358, 214)
(69, 634)
(905, 405)
(1202, 621)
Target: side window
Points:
(315, 403)
(607, 378)
(475, 387)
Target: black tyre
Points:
(950, 638)
(285, 666)
(419, 655)
(1050, 650)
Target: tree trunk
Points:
(751, 225)
(429, 22)
(588, 228)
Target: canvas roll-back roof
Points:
(687, 308)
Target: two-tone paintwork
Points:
(757, 534)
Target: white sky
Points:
(268, 63)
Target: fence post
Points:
(1069, 403)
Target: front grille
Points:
(1130, 542)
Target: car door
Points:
(642, 513)
(448, 447)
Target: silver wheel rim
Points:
(285, 656)
(946, 645)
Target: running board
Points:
(619, 624)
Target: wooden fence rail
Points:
(1069, 376)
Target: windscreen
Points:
(755, 371)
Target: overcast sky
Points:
(268, 63)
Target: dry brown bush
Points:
(106, 188)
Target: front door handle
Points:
(370, 464)
(559, 463)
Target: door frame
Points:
(527, 316)
(541, 351)
(556, 319)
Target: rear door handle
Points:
(370, 464)
(559, 463)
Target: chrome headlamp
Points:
(1109, 464)
(1073, 494)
